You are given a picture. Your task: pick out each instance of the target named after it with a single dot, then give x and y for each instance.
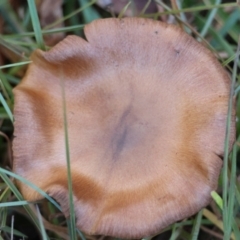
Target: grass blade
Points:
(196, 226)
(70, 15)
(210, 19)
(89, 13)
(218, 200)
(226, 220)
(231, 193)
(15, 232)
(13, 204)
(193, 9)
(15, 64)
(43, 232)
(36, 24)
(19, 197)
(70, 187)
(7, 109)
(3, 172)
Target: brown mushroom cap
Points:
(146, 108)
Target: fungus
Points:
(146, 108)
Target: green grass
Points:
(72, 223)
(214, 22)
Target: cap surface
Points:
(146, 108)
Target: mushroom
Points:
(146, 107)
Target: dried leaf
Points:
(49, 12)
(134, 9)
